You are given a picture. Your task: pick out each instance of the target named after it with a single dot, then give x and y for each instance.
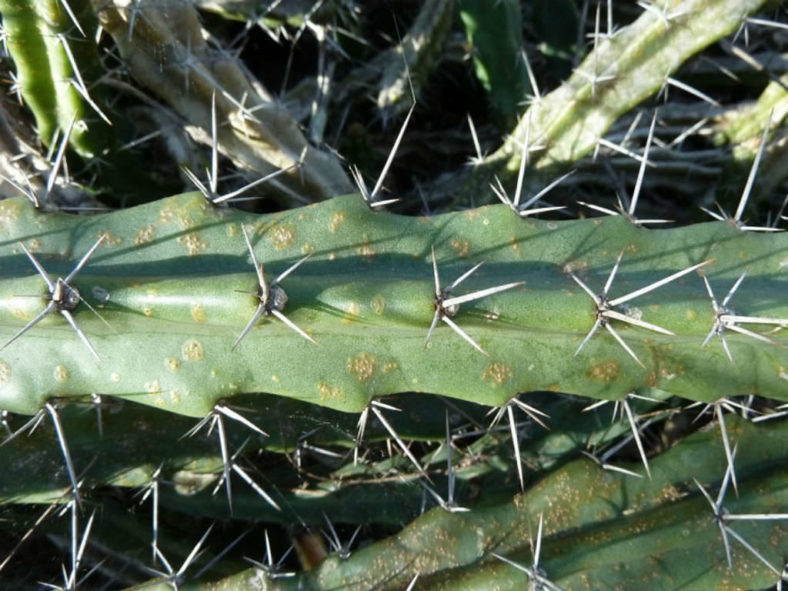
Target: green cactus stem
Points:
(127, 445)
(46, 45)
(622, 70)
(170, 278)
(601, 529)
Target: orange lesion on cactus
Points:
(328, 392)
(337, 218)
(21, 313)
(111, 239)
(363, 366)
(365, 249)
(497, 373)
(282, 235)
(198, 313)
(193, 243)
(5, 372)
(192, 350)
(167, 214)
(352, 311)
(153, 387)
(461, 247)
(606, 371)
(145, 235)
(378, 304)
(9, 211)
(61, 373)
(172, 363)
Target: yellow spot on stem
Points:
(378, 304)
(145, 235)
(115, 377)
(61, 373)
(191, 350)
(167, 214)
(198, 313)
(111, 239)
(276, 379)
(172, 363)
(153, 387)
(21, 314)
(194, 245)
(336, 219)
(606, 371)
(352, 311)
(189, 483)
(365, 250)
(9, 211)
(497, 373)
(282, 235)
(461, 247)
(576, 265)
(147, 311)
(363, 366)
(328, 392)
(390, 366)
(5, 372)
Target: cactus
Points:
(408, 393)
(174, 273)
(573, 513)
